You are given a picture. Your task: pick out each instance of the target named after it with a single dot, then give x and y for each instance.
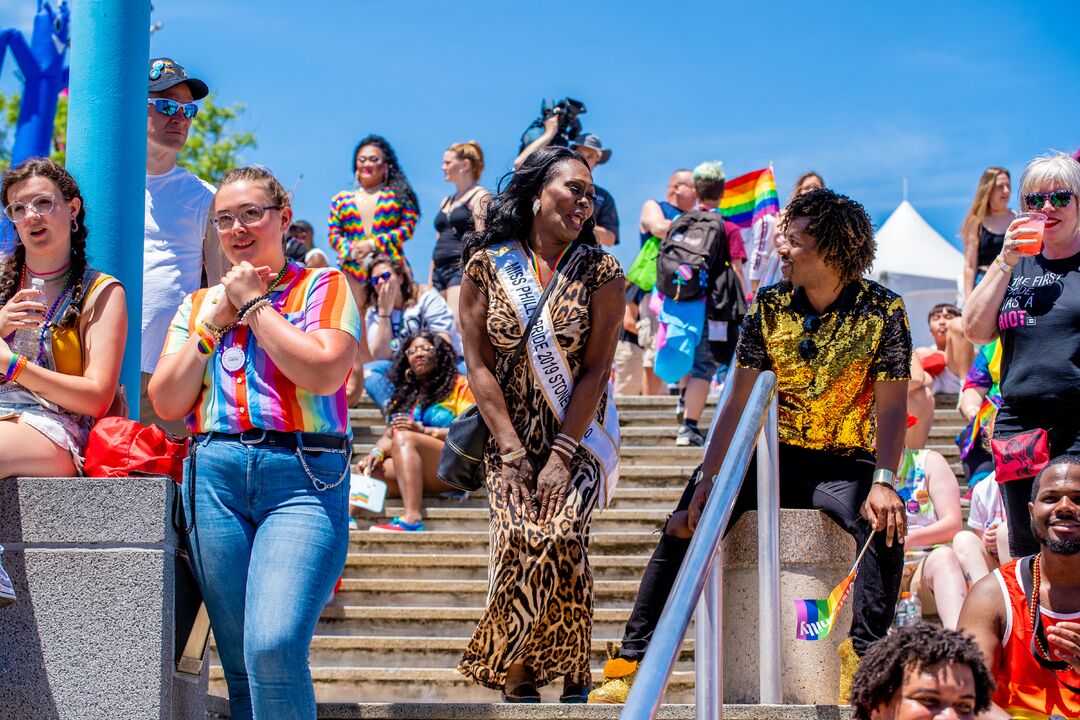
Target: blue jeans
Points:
(267, 550)
(379, 388)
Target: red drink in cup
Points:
(1031, 227)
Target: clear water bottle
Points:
(908, 611)
(27, 340)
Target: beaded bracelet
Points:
(251, 307)
(246, 307)
(13, 374)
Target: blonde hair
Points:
(470, 151)
(261, 175)
(1055, 167)
(980, 206)
(708, 179)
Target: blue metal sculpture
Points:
(45, 72)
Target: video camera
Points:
(567, 111)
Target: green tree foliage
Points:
(212, 148)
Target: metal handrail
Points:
(702, 568)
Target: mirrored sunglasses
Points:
(1057, 198)
(168, 107)
(383, 277)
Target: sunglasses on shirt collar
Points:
(808, 349)
(168, 107)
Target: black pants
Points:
(1063, 432)
(809, 479)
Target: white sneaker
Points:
(7, 590)
(686, 437)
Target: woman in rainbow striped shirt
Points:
(258, 365)
(379, 215)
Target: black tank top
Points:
(451, 229)
(990, 245)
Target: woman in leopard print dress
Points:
(537, 625)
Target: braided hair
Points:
(11, 268)
(410, 390)
(395, 176)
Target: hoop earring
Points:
(536, 206)
(410, 375)
(74, 225)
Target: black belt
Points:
(277, 438)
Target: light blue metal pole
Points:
(110, 48)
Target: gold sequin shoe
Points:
(619, 675)
(849, 664)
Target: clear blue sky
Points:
(865, 93)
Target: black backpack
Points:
(689, 250)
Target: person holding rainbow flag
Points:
(841, 350)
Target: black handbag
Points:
(461, 464)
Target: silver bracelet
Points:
(256, 306)
(885, 477)
(513, 455)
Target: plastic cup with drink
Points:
(398, 416)
(1031, 226)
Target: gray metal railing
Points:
(699, 579)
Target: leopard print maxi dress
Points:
(540, 586)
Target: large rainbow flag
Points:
(750, 197)
(814, 618)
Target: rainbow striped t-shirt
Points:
(259, 395)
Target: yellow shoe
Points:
(619, 675)
(849, 663)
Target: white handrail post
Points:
(768, 517)
(709, 645)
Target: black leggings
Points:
(809, 479)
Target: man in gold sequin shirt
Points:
(841, 350)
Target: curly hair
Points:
(395, 176)
(881, 673)
(841, 228)
(11, 268)
(410, 290)
(509, 214)
(409, 390)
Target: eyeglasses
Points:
(420, 350)
(248, 216)
(168, 107)
(376, 279)
(368, 159)
(42, 205)
(1057, 198)
(808, 349)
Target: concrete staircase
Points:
(409, 602)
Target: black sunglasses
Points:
(1057, 198)
(808, 349)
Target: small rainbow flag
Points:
(750, 197)
(814, 618)
(969, 435)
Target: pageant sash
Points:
(551, 371)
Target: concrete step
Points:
(600, 543)
(444, 685)
(423, 591)
(426, 621)
(218, 710)
(626, 498)
(473, 565)
(476, 518)
(419, 652)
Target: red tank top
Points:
(1025, 689)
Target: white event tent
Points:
(915, 261)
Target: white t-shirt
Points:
(177, 207)
(429, 312)
(986, 506)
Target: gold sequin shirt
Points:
(826, 364)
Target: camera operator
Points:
(589, 147)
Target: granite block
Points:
(96, 511)
(815, 555)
